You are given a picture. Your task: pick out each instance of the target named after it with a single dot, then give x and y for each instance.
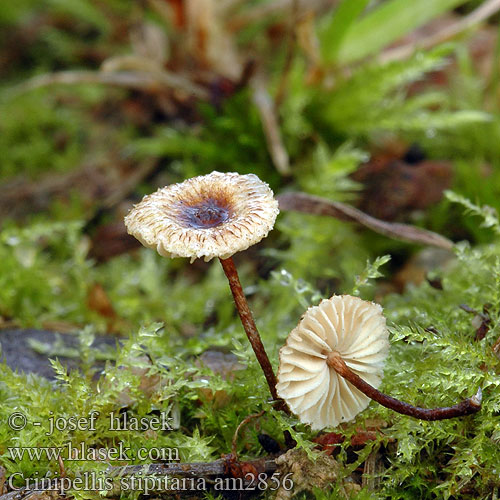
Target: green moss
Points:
(46, 275)
(435, 366)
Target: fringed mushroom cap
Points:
(315, 392)
(213, 215)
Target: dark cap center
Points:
(206, 214)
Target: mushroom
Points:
(349, 326)
(332, 364)
(214, 215)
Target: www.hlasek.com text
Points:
(82, 452)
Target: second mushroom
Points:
(332, 364)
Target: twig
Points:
(154, 82)
(242, 423)
(62, 469)
(207, 470)
(496, 348)
(487, 9)
(266, 10)
(195, 469)
(290, 51)
(27, 494)
(94, 182)
(267, 112)
(485, 321)
(465, 407)
(309, 204)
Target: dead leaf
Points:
(394, 187)
(372, 471)
(98, 301)
(224, 364)
(307, 40)
(111, 240)
(329, 442)
(481, 320)
(207, 40)
(362, 437)
(419, 265)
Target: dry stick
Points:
(270, 124)
(196, 469)
(309, 204)
(496, 348)
(266, 11)
(289, 57)
(148, 82)
(485, 10)
(465, 407)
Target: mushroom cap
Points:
(315, 392)
(214, 215)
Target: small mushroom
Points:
(349, 326)
(214, 215)
(332, 364)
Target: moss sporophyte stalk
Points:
(333, 361)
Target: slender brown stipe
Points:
(249, 323)
(465, 407)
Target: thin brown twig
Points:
(303, 202)
(485, 10)
(290, 51)
(264, 11)
(267, 111)
(148, 82)
(196, 469)
(244, 422)
(465, 407)
(62, 469)
(496, 348)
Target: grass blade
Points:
(392, 20)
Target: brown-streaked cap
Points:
(314, 391)
(214, 215)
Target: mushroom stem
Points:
(249, 324)
(465, 407)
